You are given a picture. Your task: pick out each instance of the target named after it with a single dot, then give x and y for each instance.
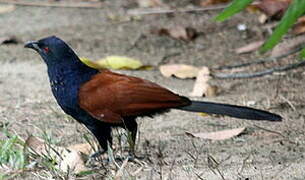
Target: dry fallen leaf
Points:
(90, 63)
(249, 47)
(263, 18)
(287, 45)
(203, 114)
(72, 161)
(273, 8)
(149, 3)
(252, 8)
(119, 62)
(299, 27)
(201, 84)
(67, 159)
(7, 8)
(115, 62)
(182, 71)
(177, 32)
(212, 91)
(218, 135)
(35, 144)
(84, 148)
(212, 2)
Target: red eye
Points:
(46, 49)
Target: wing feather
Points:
(110, 96)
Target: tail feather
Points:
(241, 112)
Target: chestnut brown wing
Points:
(110, 96)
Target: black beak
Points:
(32, 45)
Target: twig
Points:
(271, 131)
(54, 4)
(111, 155)
(135, 41)
(164, 58)
(199, 176)
(275, 176)
(260, 61)
(213, 164)
(171, 169)
(288, 102)
(275, 132)
(260, 73)
(137, 171)
(278, 85)
(166, 11)
(135, 12)
(243, 165)
(119, 173)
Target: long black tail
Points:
(241, 112)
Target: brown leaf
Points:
(218, 135)
(252, 8)
(212, 2)
(179, 70)
(299, 27)
(177, 32)
(201, 84)
(249, 47)
(273, 8)
(287, 45)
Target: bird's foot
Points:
(97, 154)
(133, 157)
(101, 155)
(96, 157)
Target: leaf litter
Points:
(67, 158)
(218, 135)
(177, 32)
(116, 62)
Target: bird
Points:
(102, 99)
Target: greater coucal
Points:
(104, 99)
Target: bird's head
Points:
(53, 50)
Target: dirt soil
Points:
(265, 151)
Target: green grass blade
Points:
(11, 153)
(302, 54)
(85, 173)
(6, 149)
(294, 11)
(235, 7)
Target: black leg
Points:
(131, 125)
(102, 132)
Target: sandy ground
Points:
(27, 104)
